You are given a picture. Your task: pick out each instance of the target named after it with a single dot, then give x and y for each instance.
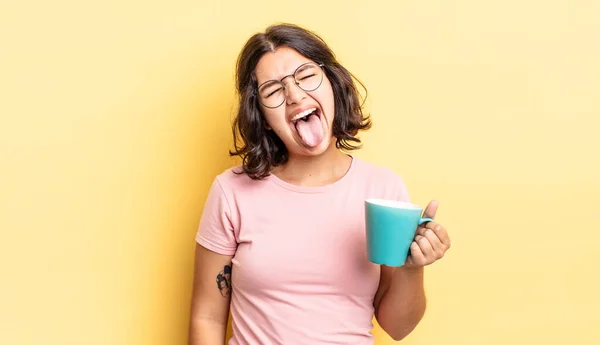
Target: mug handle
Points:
(421, 222)
(425, 220)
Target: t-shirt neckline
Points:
(315, 189)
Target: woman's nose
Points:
(294, 94)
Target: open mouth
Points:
(308, 126)
(305, 115)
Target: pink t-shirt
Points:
(300, 273)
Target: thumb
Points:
(431, 209)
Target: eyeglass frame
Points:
(293, 75)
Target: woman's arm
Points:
(400, 300)
(210, 298)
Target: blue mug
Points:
(390, 227)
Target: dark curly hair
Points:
(261, 149)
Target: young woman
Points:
(288, 224)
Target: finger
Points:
(422, 228)
(409, 260)
(425, 247)
(442, 234)
(416, 255)
(435, 242)
(431, 209)
(420, 231)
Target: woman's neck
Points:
(314, 171)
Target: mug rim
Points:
(397, 204)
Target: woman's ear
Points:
(266, 125)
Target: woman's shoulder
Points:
(235, 178)
(381, 181)
(376, 171)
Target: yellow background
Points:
(115, 119)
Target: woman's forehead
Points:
(281, 62)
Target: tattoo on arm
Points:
(224, 281)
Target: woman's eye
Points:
(306, 77)
(273, 92)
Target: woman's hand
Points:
(431, 241)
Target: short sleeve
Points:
(216, 231)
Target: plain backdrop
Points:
(115, 118)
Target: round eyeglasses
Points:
(307, 77)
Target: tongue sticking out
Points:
(311, 130)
